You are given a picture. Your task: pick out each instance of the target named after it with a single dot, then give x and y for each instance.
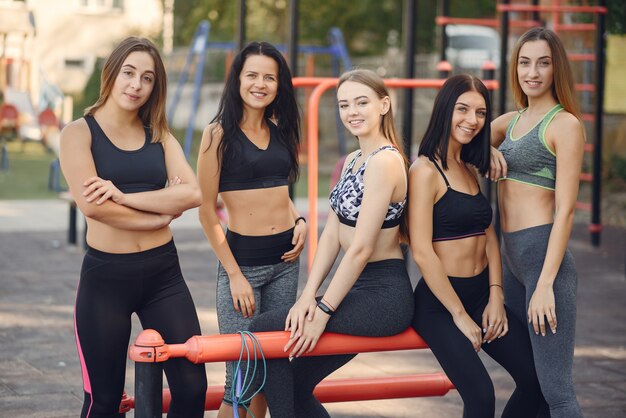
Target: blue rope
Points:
(241, 386)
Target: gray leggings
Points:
(274, 286)
(523, 254)
(379, 304)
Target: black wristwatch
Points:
(325, 308)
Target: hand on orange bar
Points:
(311, 334)
(303, 308)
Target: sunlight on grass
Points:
(27, 175)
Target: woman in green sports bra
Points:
(536, 203)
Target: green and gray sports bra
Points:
(529, 158)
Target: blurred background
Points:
(51, 53)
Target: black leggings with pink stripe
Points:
(114, 286)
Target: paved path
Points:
(40, 374)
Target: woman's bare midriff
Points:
(259, 212)
(523, 205)
(465, 257)
(121, 241)
(386, 243)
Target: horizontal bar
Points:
(557, 9)
(581, 57)
(585, 87)
(492, 23)
(573, 27)
(416, 83)
(583, 206)
(586, 177)
(588, 117)
(226, 347)
(342, 390)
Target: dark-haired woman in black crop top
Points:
(248, 156)
(459, 303)
(117, 161)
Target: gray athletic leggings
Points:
(523, 254)
(379, 304)
(274, 286)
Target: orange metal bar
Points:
(585, 87)
(557, 9)
(583, 206)
(586, 177)
(576, 27)
(581, 57)
(342, 390)
(589, 117)
(588, 148)
(493, 23)
(322, 84)
(226, 347)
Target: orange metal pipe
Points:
(585, 87)
(581, 57)
(557, 8)
(494, 23)
(342, 390)
(226, 347)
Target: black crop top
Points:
(134, 171)
(255, 168)
(459, 215)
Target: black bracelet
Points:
(298, 219)
(325, 308)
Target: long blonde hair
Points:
(152, 113)
(563, 89)
(388, 129)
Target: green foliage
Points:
(366, 24)
(616, 17)
(618, 167)
(27, 177)
(91, 92)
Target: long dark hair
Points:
(437, 136)
(152, 113)
(283, 110)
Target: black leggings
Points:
(378, 305)
(462, 364)
(111, 288)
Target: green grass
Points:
(29, 165)
(27, 176)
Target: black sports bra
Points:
(134, 171)
(255, 168)
(458, 215)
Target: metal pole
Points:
(535, 13)
(410, 14)
(489, 73)
(241, 25)
(444, 7)
(504, 43)
(293, 37)
(148, 390)
(293, 54)
(596, 223)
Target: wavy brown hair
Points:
(152, 113)
(563, 89)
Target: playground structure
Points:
(196, 58)
(150, 351)
(533, 13)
